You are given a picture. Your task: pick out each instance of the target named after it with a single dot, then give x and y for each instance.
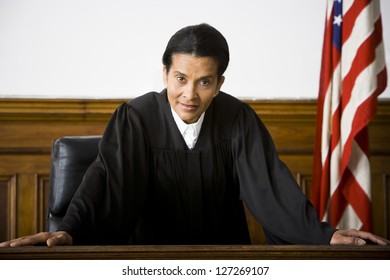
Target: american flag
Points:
(353, 74)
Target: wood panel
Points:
(28, 128)
(385, 199)
(8, 197)
(42, 207)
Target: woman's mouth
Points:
(189, 106)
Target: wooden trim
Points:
(213, 252)
(101, 110)
(57, 109)
(25, 151)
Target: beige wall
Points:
(112, 48)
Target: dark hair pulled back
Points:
(200, 40)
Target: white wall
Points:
(113, 48)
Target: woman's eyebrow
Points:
(180, 73)
(209, 76)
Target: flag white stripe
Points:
(326, 126)
(347, 4)
(349, 219)
(335, 160)
(336, 90)
(359, 165)
(329, 9)
(335, 156)
(363, 88)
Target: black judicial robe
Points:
(147, 187)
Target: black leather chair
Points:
(70, 158)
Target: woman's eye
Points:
(180, 79)
(204, 82)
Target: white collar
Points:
(182, 126)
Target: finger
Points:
(352, 241)
(5, 244)
(12, 243)
(55, 240)
(59, 238)
(346, 237)
(9, 242)
(377, 240)
(368, 236)
(39, 238)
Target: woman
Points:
(175, 167)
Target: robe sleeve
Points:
(108, 203)
(268, 188)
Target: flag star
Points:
(337, 20)
(338, 1)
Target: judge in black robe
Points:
(147, 187)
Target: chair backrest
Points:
(70, 158)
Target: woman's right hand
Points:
(50, 238)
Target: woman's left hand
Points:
(356, 237)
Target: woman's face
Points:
(191, 84)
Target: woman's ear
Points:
(165, 76)
(220, 83)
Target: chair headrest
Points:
(70, 158)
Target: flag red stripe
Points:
(324, 191)
(338, 203)
(350, 17)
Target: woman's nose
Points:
(190, 92)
